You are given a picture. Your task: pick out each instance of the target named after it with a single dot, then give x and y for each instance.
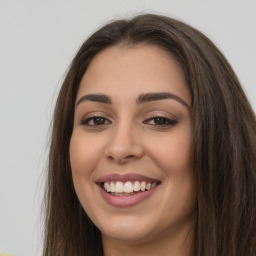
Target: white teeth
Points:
(143, 186)
(136, 186)
(119, 187)
(112, 187)
(148, 186)
(128, 186)
(107, 187)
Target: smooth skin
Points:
(120, 133)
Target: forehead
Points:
(126, 70)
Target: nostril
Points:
(130, 156)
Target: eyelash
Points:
(162, 121)
(86, 121)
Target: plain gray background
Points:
(37, 42)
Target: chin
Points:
(128, 230)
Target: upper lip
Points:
(125, 177)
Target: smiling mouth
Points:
(128, 188)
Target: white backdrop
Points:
(37, 42)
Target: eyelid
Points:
(163, 114)
(150, 118)
(95, 115)
(169, 121)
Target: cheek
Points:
(84, 154)
(173, 153)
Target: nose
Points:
(124, 145)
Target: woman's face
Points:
(130, 150)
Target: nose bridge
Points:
(124, 143)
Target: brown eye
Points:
(161, 121)
(95, 121)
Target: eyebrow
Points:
(149, 97)
(143, 98)
(95, 97)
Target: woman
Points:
(153, 148)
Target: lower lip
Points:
(126, 201)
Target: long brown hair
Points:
(224, 143)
